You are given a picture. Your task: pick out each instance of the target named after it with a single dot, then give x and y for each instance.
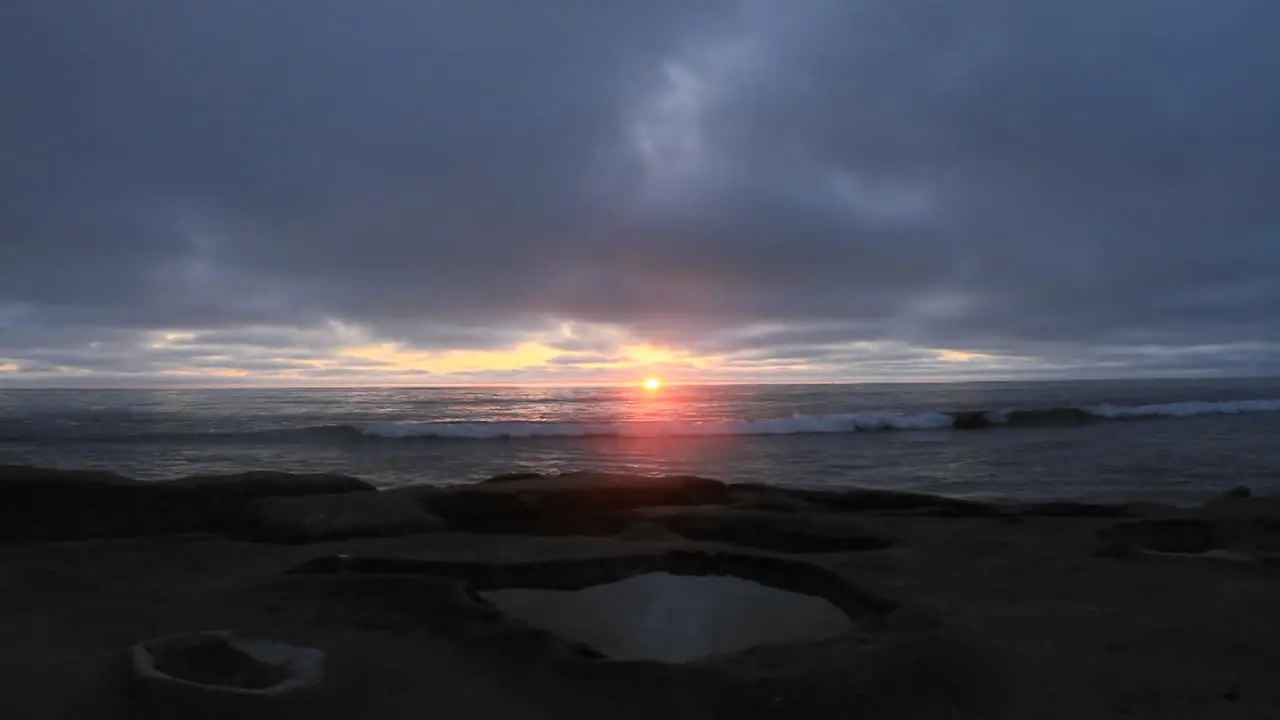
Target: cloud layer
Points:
(471, 190)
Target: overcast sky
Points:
(419, 191)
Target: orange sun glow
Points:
(652, 383)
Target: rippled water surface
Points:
(1159, 439)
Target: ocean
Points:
(1167, 440)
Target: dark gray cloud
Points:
(1067, 186)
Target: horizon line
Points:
(636, 384)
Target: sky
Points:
(488, 191)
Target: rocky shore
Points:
(959, 609)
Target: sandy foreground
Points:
(961, 610)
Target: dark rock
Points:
(17, 474)
(1139, 509)
(1241, 504)
(1244, 520)
(1071, 508)
(468, 509)
(755, 496)
(1240, 491)
(971, 420)
(569, 504)
(219, 674)
(249, 486)
(648, 532)
(578, 573)
(781, 532)
(867, 500)
(892, 665)
(38, 504)
(1049, 417)
(226, 499)
(317, 518)
(510, 477)
(1169, 535)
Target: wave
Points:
(798, 425)
(833, 424)
(1186, 409)
(811, 424)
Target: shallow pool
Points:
(675, 618)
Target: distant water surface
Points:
(1171, 440)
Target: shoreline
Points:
(985, 610)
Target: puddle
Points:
(675, 618)
(215, 661)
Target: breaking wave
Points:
(833, 424)
(1186, 409)
(811, 424)
(798, 425)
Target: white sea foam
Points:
(796, 425)
(1184, 409)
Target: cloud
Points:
(770, 188)
(585, 359)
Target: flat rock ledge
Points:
(895, 661)
(577, 574)
(785, 532)
(322, 518)
(40, 505)
(457, 603)
(973, 610)
(43, 505)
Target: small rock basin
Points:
(675, 618)
(223, 669)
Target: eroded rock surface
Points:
(39, 504)
(316, 518)
(569, 504)
(222, 674)
(1185, 535)
(217, 662)
(577, 574)
(1011, 620)
(766, 530)
(874, 500)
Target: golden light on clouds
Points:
(208, 372)
(532, 354)
(524, 355)
(647, 354)
(562, 353)
(960, 356)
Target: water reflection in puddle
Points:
(675, 618)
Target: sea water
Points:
(1165, 440)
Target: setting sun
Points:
(652, 383)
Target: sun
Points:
(652, 383)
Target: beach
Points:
(724, 360)
(959, 608)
